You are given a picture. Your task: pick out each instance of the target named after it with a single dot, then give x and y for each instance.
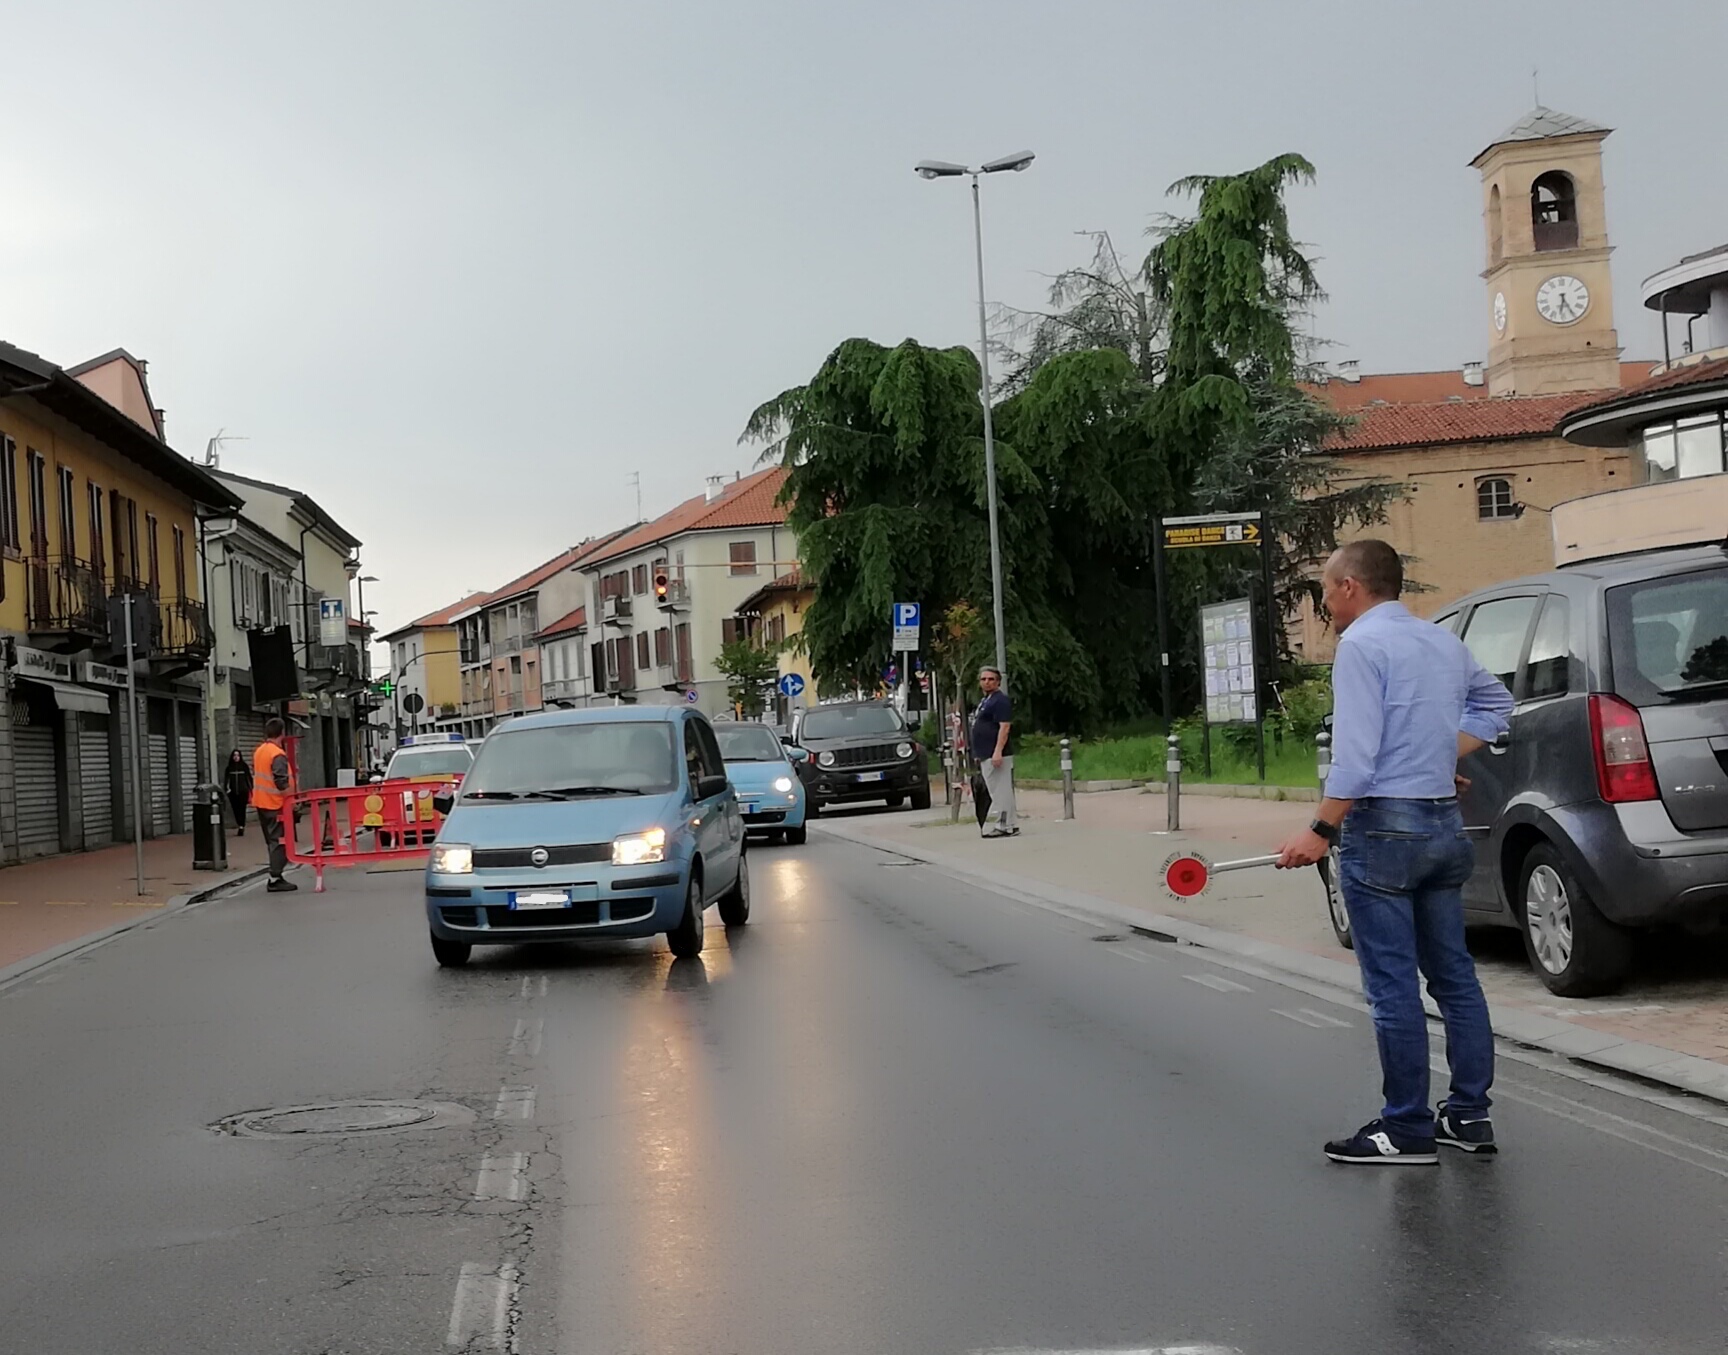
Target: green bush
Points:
(1305, 705)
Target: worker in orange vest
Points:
(272, 783)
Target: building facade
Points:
(423, 662)
(95, 506)
(774, 616)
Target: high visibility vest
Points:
(264, 792)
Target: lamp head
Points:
(1018, 161)
(937, 169)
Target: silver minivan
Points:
(1604, 809)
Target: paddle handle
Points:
(1246, 863)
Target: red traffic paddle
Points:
(1187, 875)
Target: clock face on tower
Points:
(1500, 311)
(1562, 300)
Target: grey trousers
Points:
(999, 781)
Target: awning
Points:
(70, 696)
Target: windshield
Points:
(836, 722)
(633, 755)
(1669, 636)
(748, 743)
(450, 760)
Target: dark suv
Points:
(1605, 808)
(860, 750)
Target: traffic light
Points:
(662, 585)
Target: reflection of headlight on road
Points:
(452, 858)
(824, 759)
(639, 849)
(782, 784)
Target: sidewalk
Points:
(65, 899)
(1675, 1005)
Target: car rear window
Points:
(1668, 637)
(446, 761)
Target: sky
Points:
(461, 270)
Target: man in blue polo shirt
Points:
(1408, 700)
(992, 723)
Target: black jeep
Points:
(859, 750)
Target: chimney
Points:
(1350, 371)
(1472, 373)
(715, 483)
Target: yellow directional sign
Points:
(1212, 534)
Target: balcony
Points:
(563, 689)
(616, 611)
(66, 602)
(677, 597)
(510, 644)
(342, 660)
(182, 630)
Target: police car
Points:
(425, 757)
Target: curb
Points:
(42, 959)
(1579, 1044)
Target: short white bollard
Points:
(1067, 780)
(1173, 783)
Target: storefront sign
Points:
(101, 675)
(332, 622)
(39, 663)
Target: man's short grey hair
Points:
(1374, 564)
(994, 672)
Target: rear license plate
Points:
(523, 899)
(869, 776)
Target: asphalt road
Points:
(895, 1114)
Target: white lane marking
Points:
(1302, 1016)
(1218, 985)
(1119, 1350)
(533, 986)
(480, 1314)
(525, 1039)
(514, 1103)
(1129, 953)
(501, 1178)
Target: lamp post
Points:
(943, 169)
(360, 582)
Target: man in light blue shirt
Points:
(1408, 700)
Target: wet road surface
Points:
(897, 1113)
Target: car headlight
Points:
(824, 759)
(452, 858)
(902, 750)
(782, 784)
(639, 849)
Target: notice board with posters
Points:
(1227, 662)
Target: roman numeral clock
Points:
(1562, 299)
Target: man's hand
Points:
(1461, 783)
(996, 760)
(1302, 849)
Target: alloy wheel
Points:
(1548, 916)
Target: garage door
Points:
(96, 770)
(188, 763)
(159, 784)
(248, 731)
(38, 791)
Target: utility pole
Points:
(132, 724)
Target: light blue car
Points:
(581, 824)
(769, 789)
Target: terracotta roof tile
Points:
(1447, 422)
(1709, 372)
(1425, 387)
(791, 581)
(749, 502)
(570, 621)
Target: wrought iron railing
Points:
(66, 596)
(182, 629)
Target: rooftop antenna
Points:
(636, 480)
(213, 448)
(1536, 84)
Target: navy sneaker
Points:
(1377, 1145)
(1473, 1136)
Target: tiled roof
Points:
(558, 563)
(1424, 387)
(748, 502)
(792, 581)
(1540, 123)
(1712, 371)
(570, 621)
(1448, 422)
(441, 617)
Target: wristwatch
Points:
(1321, 828)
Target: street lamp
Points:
(361, 580)
(943, 169)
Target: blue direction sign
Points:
(908, 618)
(791, 684)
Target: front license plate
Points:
(749, 806)
(869, 776)
(524, 899)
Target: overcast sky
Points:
(458, 270)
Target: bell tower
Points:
(1550, 298)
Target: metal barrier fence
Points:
(363, 825)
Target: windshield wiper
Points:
(1696, 691)
(571, 792)
(491, 795)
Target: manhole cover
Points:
(345, 1117)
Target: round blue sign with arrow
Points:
(790, 684)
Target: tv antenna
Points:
(213, 448)
(636, 480)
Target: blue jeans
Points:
(1404, 866)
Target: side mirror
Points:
(443, 801)
(797, 754)
(707, 787)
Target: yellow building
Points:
(425, 660)
(774, 615)
(94, 504)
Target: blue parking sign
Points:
(907, 618)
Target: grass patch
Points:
(1119, 755)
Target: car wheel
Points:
(921, 798)
(796, 837)
(735, 902)
(1332, 877)
(686, 938)
(1575, 951)
(450, 954)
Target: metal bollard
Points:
(953, 778)
(1067, 780)
(1323, 757)
(1173, 783)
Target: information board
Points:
(1227, 662)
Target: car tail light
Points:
(1623, 768)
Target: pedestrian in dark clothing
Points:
(272, 783)
(237, 785)
(1409, 701)
(992, 724)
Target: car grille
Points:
(869, 756)
(514, 858)
(766, 816)
(460, 917)
(627, 910)
(576, 915)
